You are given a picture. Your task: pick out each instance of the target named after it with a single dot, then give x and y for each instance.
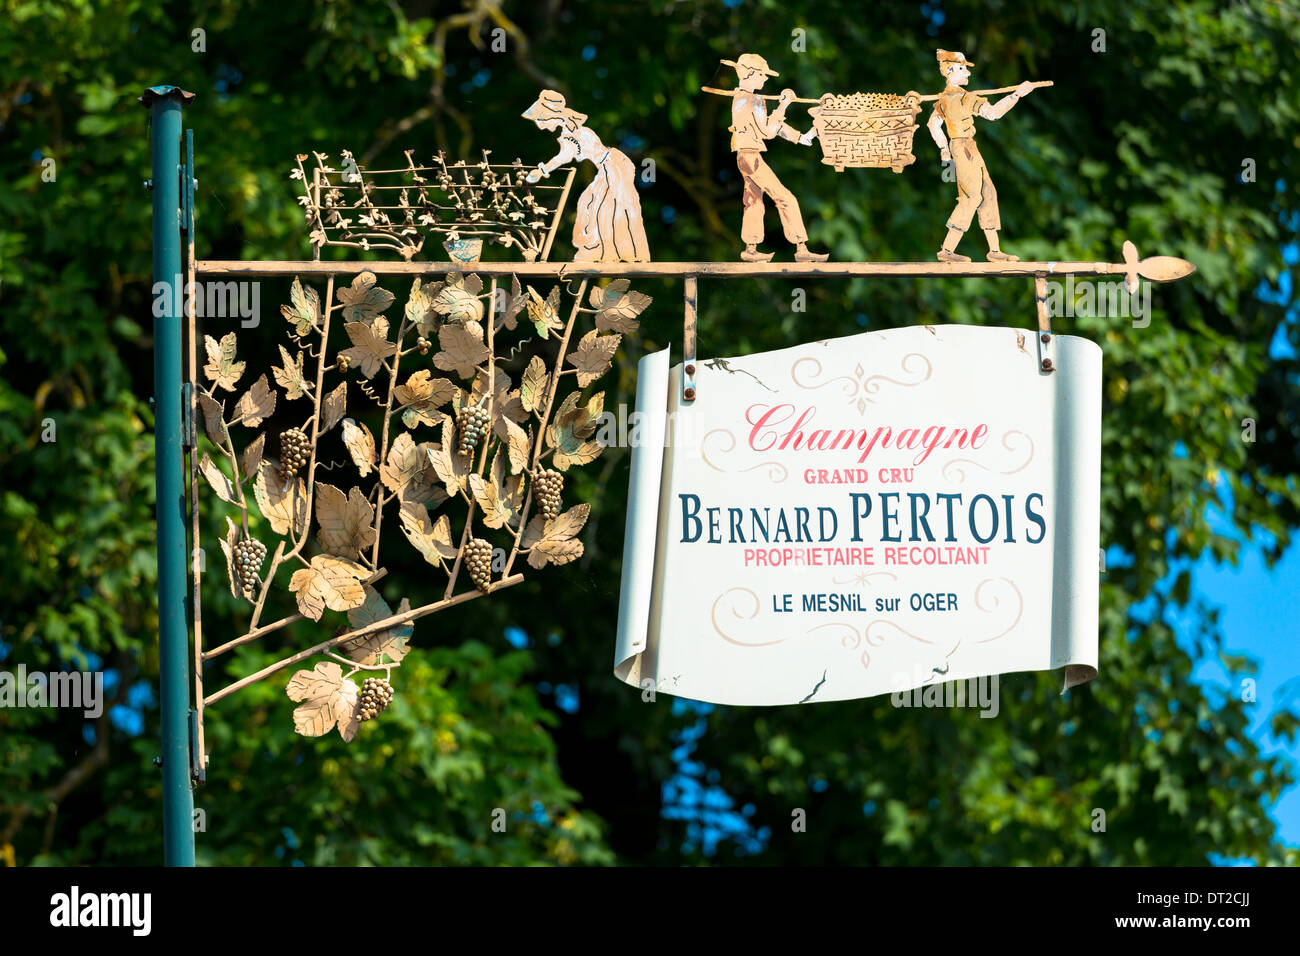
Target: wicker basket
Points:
(867, 129)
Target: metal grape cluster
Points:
(548, 484)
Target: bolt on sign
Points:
(862, 516)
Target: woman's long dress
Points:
(608, 226)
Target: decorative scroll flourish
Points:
(470, 437)
(882, 622)
(864, 577)
(776, 472)
(953, 470)
(859, 387)
(984, 587)
(871, 385)
(464, 203)
(851, 638)
(746, 611)
(986, 599)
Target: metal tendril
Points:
(370, 393)
(333, 465)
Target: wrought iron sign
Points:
(446, 416)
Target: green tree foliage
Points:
(1144, 141)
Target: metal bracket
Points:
(198, 768)
(689, 392)
(189, 434)
(187, 184)
(1046, 353)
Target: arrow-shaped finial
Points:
(1155, 268)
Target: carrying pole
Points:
(165, 103)
(1036, 85)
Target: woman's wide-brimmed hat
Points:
(550, 105)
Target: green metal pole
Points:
(173, 623)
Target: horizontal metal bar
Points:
(391, 621)
(433, 169)
(254, 268)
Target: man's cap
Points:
(946, 57)
(751, 61)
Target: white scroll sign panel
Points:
(863, 516)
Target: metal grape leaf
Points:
(572, 428)
(462, 350)
(370, 346)
(403, 464)
(545, 313)
(451, 468)
(345, 707)
(327, 701)
(289, 375)
(364, 299)
(421, 396)
(554, 552)
(506, 404)
(568, 524)
(322, 680)
(282, 503)
(432, 540)
(223, 486)
(532, 390)
(360, 444)
(336, 403)
(222, 367)
(214, 422)
(426, 487)
(593, 356)
(618, 308)
(500, 498)
(256, 404)
(458, 300)
(584, 454)
(330, 582)
(391, 642)
(252, 459)
(554, 541)
(509, 315)
(470, 283)
(583, 419)
(346, 522)
(519, 444)
(533, 532)
(418, 305)
(304, 313)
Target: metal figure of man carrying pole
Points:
(751, 127)
(955, 110)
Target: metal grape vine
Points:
(467, 459)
